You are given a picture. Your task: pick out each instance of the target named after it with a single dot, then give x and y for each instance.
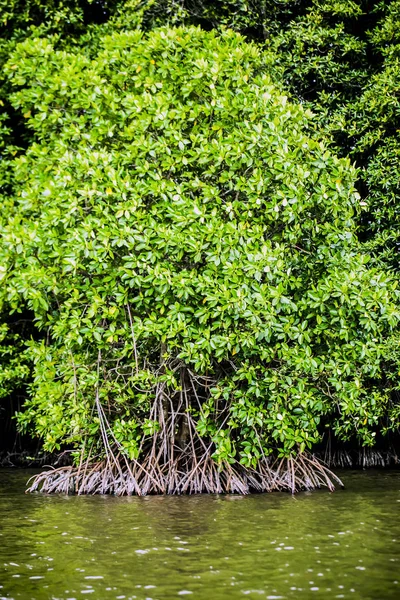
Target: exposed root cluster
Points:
(362, 457)
(185, 476)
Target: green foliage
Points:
(13, 368)
(66, 21)
(346, 65)
(125, 198)
(340, 58)
(174, 211)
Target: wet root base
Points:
(17, 459)
(122, 478)
(362, 457)
(28, 459)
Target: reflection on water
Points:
(315, 545)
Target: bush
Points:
(190, 253)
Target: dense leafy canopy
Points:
(171, 202)
(170, 215)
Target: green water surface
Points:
(314, 545)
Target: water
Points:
(315, 545)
